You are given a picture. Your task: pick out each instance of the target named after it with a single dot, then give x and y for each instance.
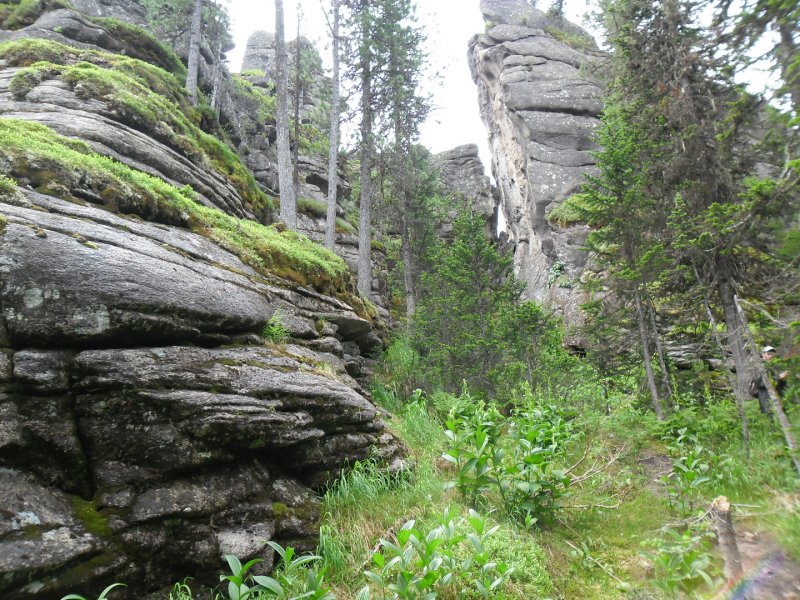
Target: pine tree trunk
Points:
(736, 330)
(365, 217)
(787, 55)
(738, 398)
(285, 184)
(662, 362)
(297, 96)
(193, 60)
(651, 381)
(333, 176)
(217, 78)
(777, 407)
(408, 266)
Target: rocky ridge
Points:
(147, 426)
(540, 104)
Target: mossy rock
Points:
(70, 169)
(21, 13)
(143, 96)
(93, 521)
(144, 44)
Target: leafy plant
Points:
(291, 576)
(683, 562)
(419, 565)
(103, 595)
(689, 475)
(473, 451)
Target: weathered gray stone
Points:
(42, 371)
(38, 534)
(541, 106)
(82, 282)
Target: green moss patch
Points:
(312, 208)
(143, 96)
(21, 13)
(69, 169)
(144, 44)
(94, 521)
(258, 104)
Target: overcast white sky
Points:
(449, 24)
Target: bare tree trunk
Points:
(739, 398)
(333, 176)
(651, 382)
(662, 363)
(365, 217)
(787, 54)
(736, 330)
(217, 78)
(777, 407)
(285, 183)
(297, 94)
(193, 60)
(408, 265)
(732, 560)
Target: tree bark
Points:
(662, 363)
(285, 184)
(736, 329)
(297, 97)
(408, 266)
(738, 398)
(787, 52)
(651, 382)
(193, 60)
(732, 560)
(333, 150)
(777, 407)
(365, 216)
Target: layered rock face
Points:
(540, 104)
(462, 175)
(146, 426)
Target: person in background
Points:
(758, 387)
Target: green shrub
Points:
(274, 330)
(571, 211)
(451, 560)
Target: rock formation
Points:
(463, 175)
(147, 427)
(540, 104)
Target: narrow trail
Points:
(769, 572)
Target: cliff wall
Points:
(540, 104)
(175, 377)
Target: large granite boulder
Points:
(149, 423)
(147, 429)
(540, 102)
